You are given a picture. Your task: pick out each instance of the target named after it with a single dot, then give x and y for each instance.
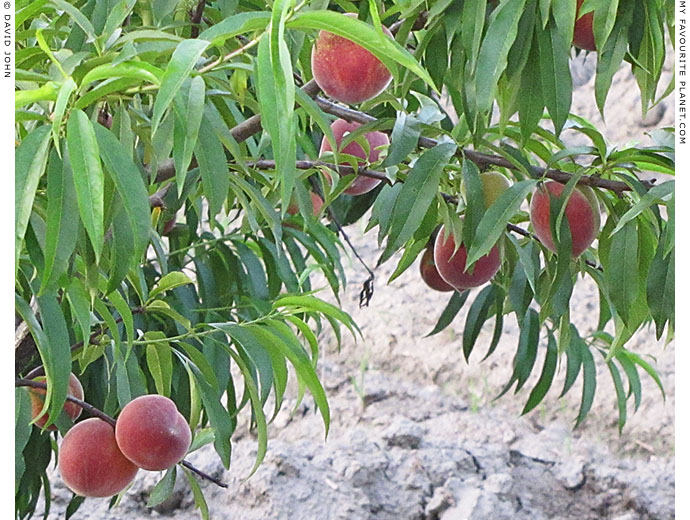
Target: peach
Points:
(346, 71)
(583, 36)
(37, 398)
(427, 268)
(581, 211)
(152, 433)
(316, 203)
(90, 463)
(493, 185)
(451, 263)
(342, 128)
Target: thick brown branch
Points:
(95, 412)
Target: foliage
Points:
(130, 115)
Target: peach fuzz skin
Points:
(451, 263)
(583, 36)
(152, 433)
(90, 462)
(346, 71)
(430, 275)
(581, 211)
(340, 129)
(73, 410)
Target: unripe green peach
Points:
(493, 185)
(152, 433)
(90, 462)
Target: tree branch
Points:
(95, 412)
(196, 17)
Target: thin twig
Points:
(95, 412)
(367, 292)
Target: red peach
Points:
(451, 263)
(583, 36)
(91, 464)
(340, 129)
(37, 399)
(581, 211)
(430, 275)
(152, 433)
(346, 71)
(316, 203)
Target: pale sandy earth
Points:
(431, 442)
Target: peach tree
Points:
(186, 172)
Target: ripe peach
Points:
(427, 268)
(581, 211)
(316, 203)
(37, 398)
(493, 185)
(346, 71)
(341, 128)
(152, 433)
(583, 37)
(90, 463)
(451, 263)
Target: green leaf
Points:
(384, 48)
(199, 500)
(654, 196)
(163, 489)
(456, 302)
(620, 395)
(474, 201)
(477, 315)
(472, 27)
(138, 70)
(189, 112)
(549, 369)
(527, 348)
(30, 159)
(66, 90)
(81, 20)
(22, 432)
(237, 24)
(58, 362)
(634, 383)
(130, 186)
(62, 225)
(404, 139)
(213, 166)
(180, 66)
(661, 289)
(168, 282)
(495, 219)
(493, 54)
(611, 56)
(416, 195)
(159, 361)
(85, 160)
(621, 270)
(589, 384)
(557, 83)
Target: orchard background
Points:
(211, 309)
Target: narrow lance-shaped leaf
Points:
(496, 218)
(129, 185)
(30, 161)
(84, 156)
(549, 369)
(180, 66)
(416, 195)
